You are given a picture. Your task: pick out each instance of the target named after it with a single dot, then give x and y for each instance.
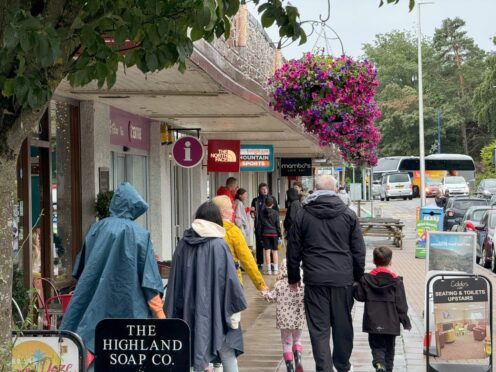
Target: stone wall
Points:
(254, 60)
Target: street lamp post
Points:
(421, 108)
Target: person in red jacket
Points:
(229, 190)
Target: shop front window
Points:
(133, 169)
(61, 191)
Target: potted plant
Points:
(102, 204)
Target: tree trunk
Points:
(464, 138)
(7, 196)
(24, 124)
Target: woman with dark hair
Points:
(203, 285)
(240, 213)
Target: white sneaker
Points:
(218, 367)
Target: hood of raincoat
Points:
(292, 195)
(116, 269)
(381, 281)
(208, 229)
(127, 203)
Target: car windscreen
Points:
(466, 204)
(477, 215)
(453, 180)
(399, 178)
(387, 164)
(492, 220)
(489, 183)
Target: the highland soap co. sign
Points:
(127, 345)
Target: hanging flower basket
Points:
(334, 98)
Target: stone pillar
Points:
(95, 153)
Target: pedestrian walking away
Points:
(385, 308)
(327, 240)
(298, 187)
(270, 229)
(241, 213)
(257, 206)
(290, 318)
(293, 208)
(116, 270)
(205, 292)
(241, 254)
(343, 195)
(229, 190)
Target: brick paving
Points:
(262, 340)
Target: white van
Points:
(396, 185)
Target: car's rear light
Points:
(450, 212)
(469, 226)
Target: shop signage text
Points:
(296, 167)
(256, 158)
(47, 351)
(187, 152)
(460, 290)
(129, 130)
(142, 345)
(223, 156)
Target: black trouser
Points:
(259, 249)
(382, 347)
(328, 307)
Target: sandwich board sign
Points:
(128, 345)
(460, 321)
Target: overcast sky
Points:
(358, 21)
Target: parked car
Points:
(492, 201)
(454, 186)
(487, 187)
(396, 185)
(472, 218)
(455, 209)
(432, 189)
(376, 189)
(485, 237)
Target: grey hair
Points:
(325, 183)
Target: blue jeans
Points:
(228, 358)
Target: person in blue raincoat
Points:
(116, 270)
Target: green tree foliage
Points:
(487, 168)
(395, 55)
(453, 67)
(485, 98)
(460, 63)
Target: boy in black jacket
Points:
(385, 308)
(270, 231)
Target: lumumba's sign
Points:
(142, 345)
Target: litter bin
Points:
(430, 219)
(433, 213)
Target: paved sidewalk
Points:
(262, 340)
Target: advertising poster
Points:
(46, 354)
(451, 252)
(461, 320)
(423, 226)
